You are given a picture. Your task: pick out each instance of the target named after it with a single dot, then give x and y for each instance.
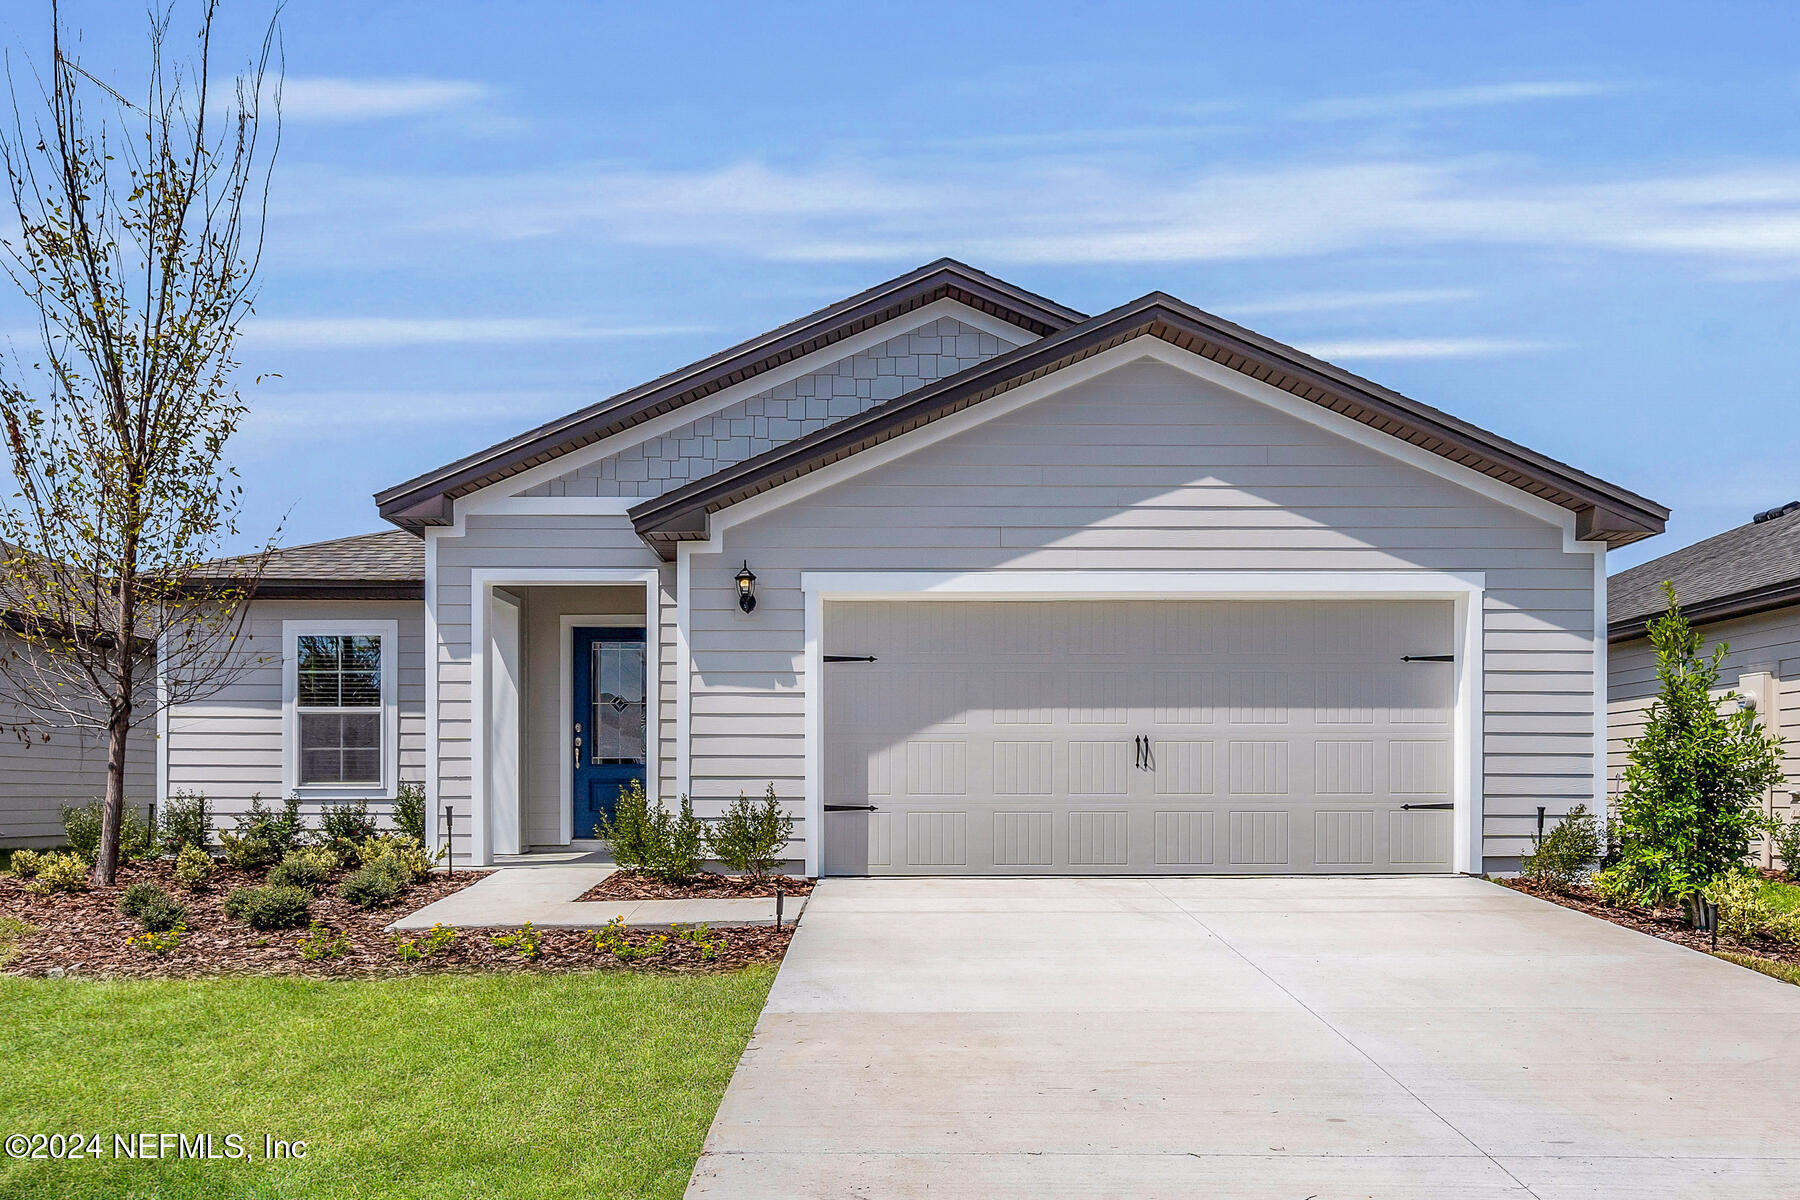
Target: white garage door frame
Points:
(1464, 590)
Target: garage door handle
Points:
(850, 808)
(849, 658)
(1428, 658)
(1410, 806)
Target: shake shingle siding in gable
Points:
(785, 412)
(1146, 468)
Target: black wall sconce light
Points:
(746, 581)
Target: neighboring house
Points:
(1741, 588)
(981, 585)
(47, 762)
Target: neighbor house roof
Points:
(389, 565)
(1750, 569)
(426, 500)
(1604, 511)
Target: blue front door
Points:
(609, 712)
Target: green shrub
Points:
(194, 869)
(25, 863)
(248, 852)
(309, 867)
(321, 941)
(750, 837)
(59, 873)
(262, 835)
(162, 913)
(403, 854)
(269, 907)
(1692, 800)
(1786, 838)
(186, 821)
(409, 811)
(527, 943)
(373, 885)
(649, 838)
(438, 937)
(81, 827)
(135, 896)
(159, 943)
(611, 938)
(347, 825)
(1746, 911)
(1566, 855)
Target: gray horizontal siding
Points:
(228, 745)
(54, 764)
(1148, 468)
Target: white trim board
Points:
(495, 494)
(1465, 591)
(482, 582)
(389, 633)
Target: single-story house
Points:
(979, 584)
(1741, 588)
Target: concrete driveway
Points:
(1293, 1038)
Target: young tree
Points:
(1692, 800)
(139, 228)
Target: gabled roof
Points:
(1604, 511)
(1750, 569)
(426, 500)
(389, 565)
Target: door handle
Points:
(1149, 754)
(851, 808)
(1137, 749)
(577, 747)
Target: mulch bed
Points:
(83, 933)
(635, 885)
(1669, 924)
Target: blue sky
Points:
(1575, 224)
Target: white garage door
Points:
(1135, 737)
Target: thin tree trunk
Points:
(118, 738)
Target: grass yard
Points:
(577, 1085)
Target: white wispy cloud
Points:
(1446, 347)
(325, 98)
(278, 418)
(357, 333)
(1309, 302)
(1424, 100)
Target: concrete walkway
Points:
(1292, 1038)
(546, 897)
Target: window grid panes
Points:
(619, 709)
(339, 708)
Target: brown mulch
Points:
(1669, 924)
(83, 933)
(635, 885)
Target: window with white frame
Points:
(340, 691)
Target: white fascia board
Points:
(511, 487)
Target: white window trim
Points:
(389, 633)
(1465, 590)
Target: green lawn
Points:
(578, 1085)
(1783, 897)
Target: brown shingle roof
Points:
(389, 564)
(1752, 568)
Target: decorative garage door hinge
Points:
(1428, 658)
(849, 658)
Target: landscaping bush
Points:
(194, 869)
(1787, 844)
(1746, 912)
(347, 825)
(649, 838)
(162, 913)
(248, 852)
(25, 863)
(409, 811)
(263, 835)
(81, 827)
(1692, 801)
(749, 837)
(400, 852)
(1566, 855)
(186, 821)
(59, 873)
(309, 867)
(373, 885)
(269, 907)
(135, 896)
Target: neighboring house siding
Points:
(527, 543)
(1765, 642)
(38, 776)
(783, 413)
(228, 745)
(1149, 468)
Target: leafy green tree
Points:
(1692, 799)
(135, 229)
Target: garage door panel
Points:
(1172, 736)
